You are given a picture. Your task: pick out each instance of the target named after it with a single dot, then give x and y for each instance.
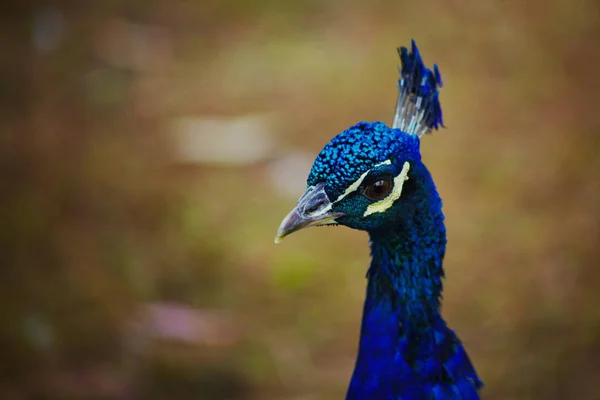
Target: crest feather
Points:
(418, 109)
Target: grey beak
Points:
(313, 209)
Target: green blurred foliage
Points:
(101, 218)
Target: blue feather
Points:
(418, 109)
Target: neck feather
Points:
(406, 268)
(406, 350)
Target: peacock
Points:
(371, 177)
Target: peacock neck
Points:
(404, 282)
(406, 350)
(406, 270)
(404, 288)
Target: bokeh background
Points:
(150, 148)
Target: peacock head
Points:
(368, 177)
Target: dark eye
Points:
(378, 190)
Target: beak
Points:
(313, 209)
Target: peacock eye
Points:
(378, 190)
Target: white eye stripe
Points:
(359, 181)
(386, 162)
(353, 187)
(386, 203)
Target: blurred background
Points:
(150, 148)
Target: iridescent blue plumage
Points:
(418, 109)
(371, 177)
